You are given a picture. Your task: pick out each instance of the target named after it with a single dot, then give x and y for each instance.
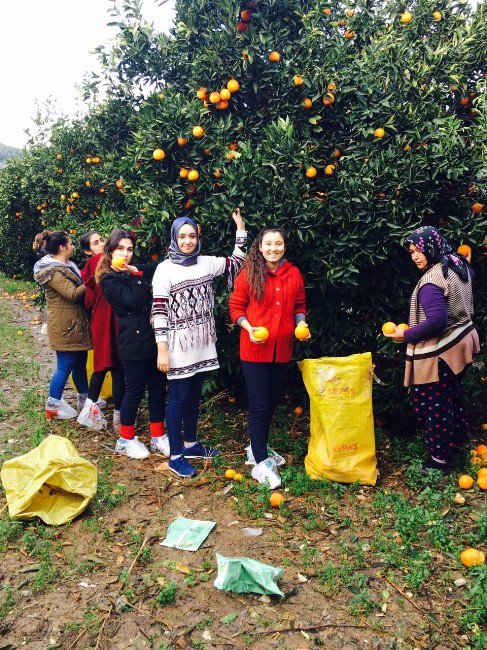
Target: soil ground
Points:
(362, 567)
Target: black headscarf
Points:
(436, 249)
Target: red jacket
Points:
(104, 323)
(283, 298)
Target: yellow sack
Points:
(342, 443)
(106, 390)
(52, 482)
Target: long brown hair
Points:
(255, 264)
(105, 263)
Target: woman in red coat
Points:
(269, 292)
(104, 330)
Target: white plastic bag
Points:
(91, 416)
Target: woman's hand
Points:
(305, 324)
(251, 331)
(397, 336)
(237, 217)
(162, 357)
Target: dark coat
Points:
(130, 297)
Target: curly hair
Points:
(50, 241)
(255, 264)
(105, 263)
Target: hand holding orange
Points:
(118, 262)
(261, 333)
(301, 332)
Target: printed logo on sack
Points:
(348, 449)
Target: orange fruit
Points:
(336, 153)
(298, 80)
(406, 147)
(261, 334)
(276, 499)
(233, 85)
(328, 99)
(74, 195)
(307, 103)
(225, 94)
(229, 155)
(246, 15)
(89, 160)
(331, 86)
(330, 170)
(350, 13)
(183, 173)
(327, 11)
(215, 97)
(311, 172)
(379, 133)
(465, 482)
(230, 473)
(464, 250)
(198, 131)
(464, 101)
(349, 34)
(482, 482)
(118, 262)
(158, 154)
(242, 27)
(472, 557)
(274, 56)
(388, 328)
(406, 18)
(301, 332)
(193, 175)
(298, 410)
(437, 15)
(477, 208)
(482, 471)
(201, 93)
(238, 477)
(222, 104)
(233, 146)
(481, 449)
(182, 141)
(217, 173)
(402, 327)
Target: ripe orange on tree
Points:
(182, 141)
(158, 154)
(481, 449)
(298, 80)
(183, 173)
(327, 11)
(379, 132)
(242, 27)
(350, 13)
(331, 86)
(201, 93)
(215, 97)
(437, 15)
(246, 15)
(349, 34)
(328, 99)
(261, 333)
(233, 85)
(406, 18)
(225, 94)
(336, 153)
(274, 56)
(298, 410)
(193, 175)
(311, 172)
(233, 146)
(198, 131)
(222, 104)
(330, 170)
(477, 208)
(307, 103)
(465, 482)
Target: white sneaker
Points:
(82, 397)
(91, 416)
(132, 448)
(265, 472)
(116, 422)
(160, 445)
(57, 409)
(273, 455)
(101, 402)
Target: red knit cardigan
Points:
(283, 298)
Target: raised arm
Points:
(231, 265)
(65, 287)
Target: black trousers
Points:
(118, 385)
(139, 375)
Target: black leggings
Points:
(118, 386)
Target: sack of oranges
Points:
(342, 442)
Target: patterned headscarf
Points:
(174, 252)
(436, 249)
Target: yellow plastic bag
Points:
(52, 482)
(342, 443)
(106, 390)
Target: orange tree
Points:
(349, 124)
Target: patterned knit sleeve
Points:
(161, 286)
(230, 266)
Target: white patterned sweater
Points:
(182, 309)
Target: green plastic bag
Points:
(243, 575)
(187, 534)
(52, 482)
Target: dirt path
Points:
(104, 581)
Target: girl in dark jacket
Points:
(128, 291)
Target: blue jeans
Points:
(67, 363)
(264, 383)
(183, 407)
